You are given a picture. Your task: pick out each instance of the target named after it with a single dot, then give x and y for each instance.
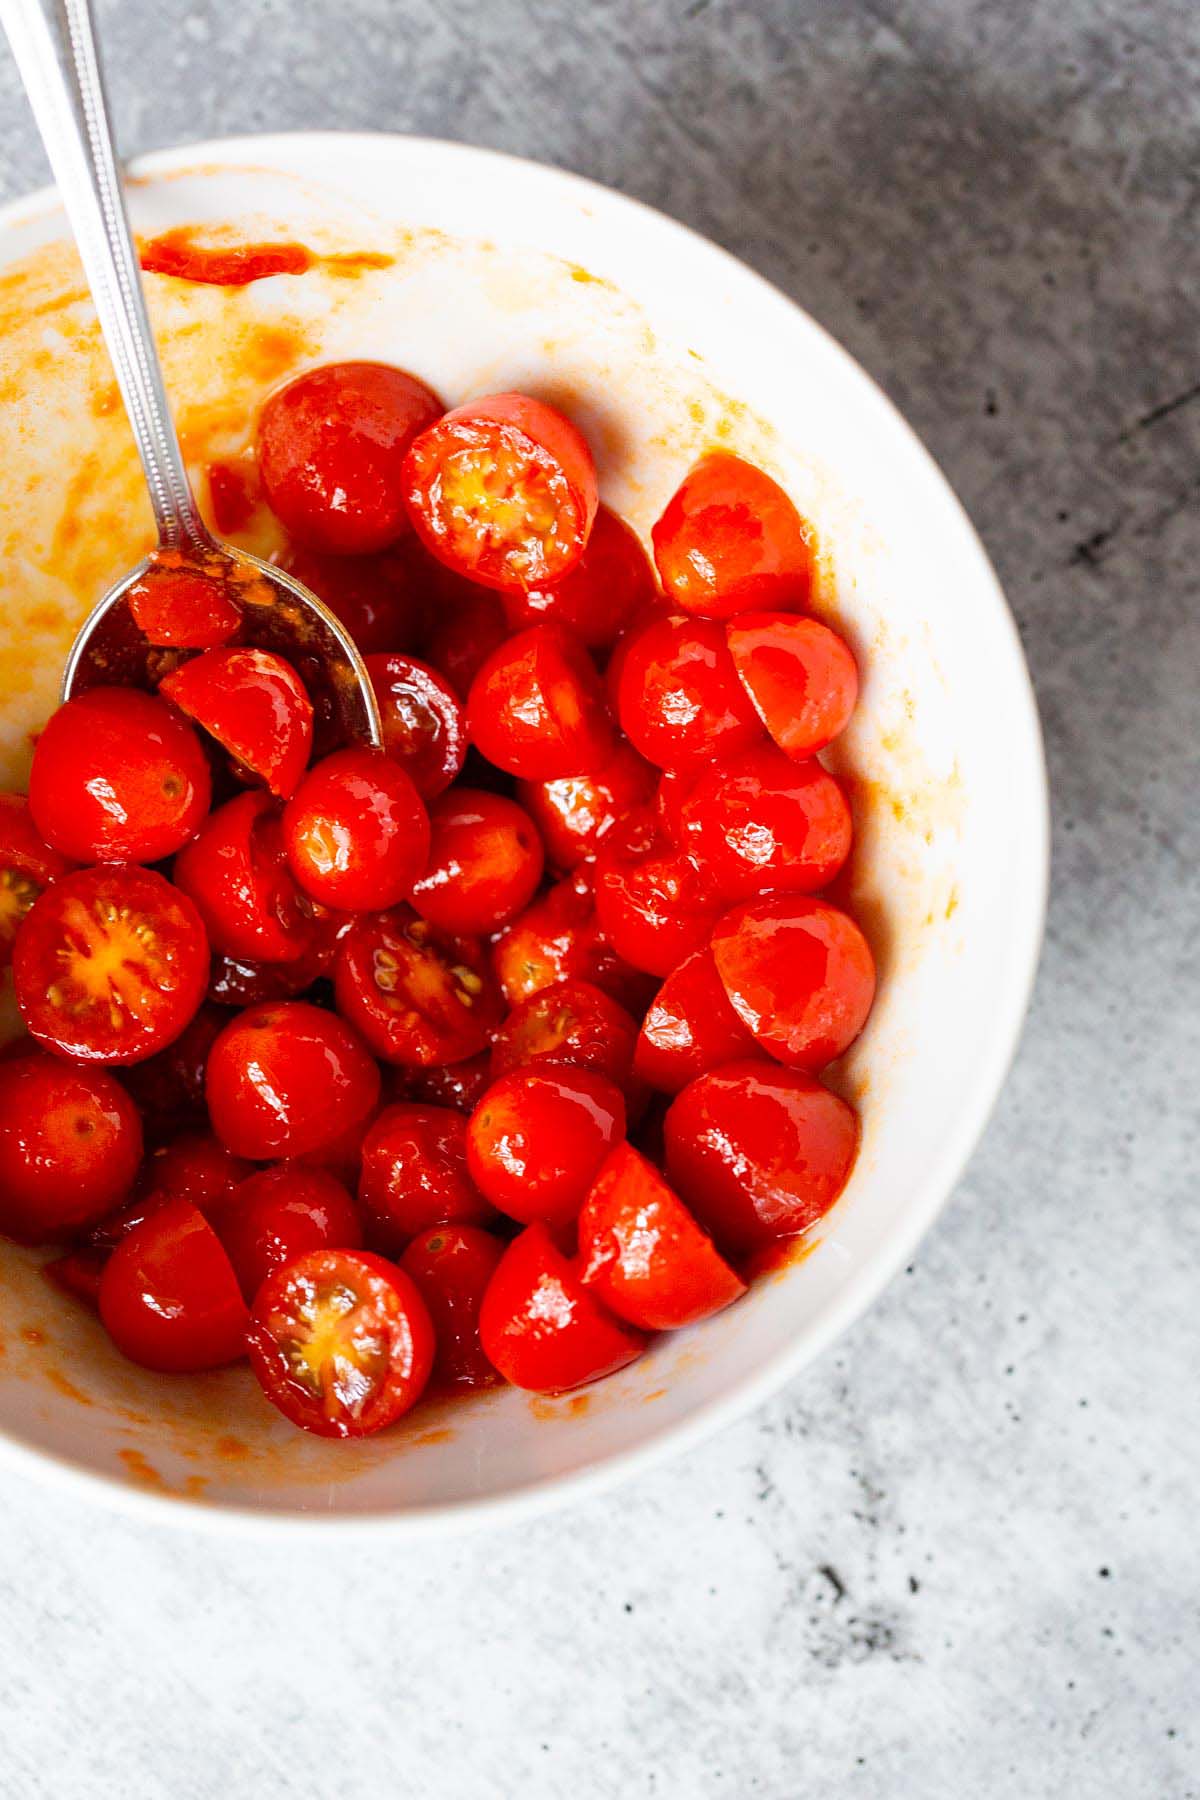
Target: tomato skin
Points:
(452, 1266)
(169, 1298)
(278, 1214)
(570, 1022)
(331, 447)
(801, 678)
(379, 599)
(149, 950)
(168, 1088)
(424, 729)
(418, 995)
(341, 1342)
(465, 636)
(236, 873)
(758, 1152)
(70, 1146)
(538, 1136)
(643, 1252)
(414, 1175)
(243, 981)
(654, 904)
(536, 707)
(459, 1085)
(542, 1328)
(799, 974)
(731, 540)
(550, 491)
(256, 707)
(690, 1027)
(679, 698)
(287, 1078)
(356, 832)
(78, 1275)
(484, 864)
(764, 822)
(559, 938)
(118, 776)
(27, 865)
(611, 582)
(575, 813)
(177, 604)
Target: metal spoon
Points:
(54, 45)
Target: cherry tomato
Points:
(118, 776)
(536, 707)
(576, 812)
(674, 786)
(110, 964)
(341, 1342)
(762, 821)
(356, 831)
(27, 865)
(485, 862)
(331, 448)
(460, 1085)
(799, 974)
(418, 995)
(256, 707)
(236, 872)
(70, 1146)
(451, 1266)
(730, 539)
(571, 1022)
(169, 1298)
(558, 938)
(78, 1275)
(240, 981)
(538, 1136)
(232, 494)
(614, 668)
(278, 1214)
(542, 1329)
(801, 677)
(283, 1079)
(169, 1088)
(192, 1167)
(679, 698)
(176, 603)
(689, 1028)
(654, 904)
(611, 582)
(342, 1155)
(503, 490)
(644, 1254)
(759, 1152)
(414, 1174)
(464, 637)
(423, 725)
(379, 599)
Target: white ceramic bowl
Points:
(504, 274)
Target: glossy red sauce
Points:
(176, 253)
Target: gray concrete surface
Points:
(959, 1558)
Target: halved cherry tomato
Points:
(256, 707)
(504, 491)
(538, 1136)
(27, 865)
(232, 493)
(110, 964)
(730, 539)
(465, 635)
(423, 725)
(236, 871)
(542, 1329)
(287, 1078)
(414, 1174)
(452, 1266)
(536, 707)
(356, 831)
(799, 974)
(484, 864)
(192, 1167)
(379, 599)
(118, 776)
(759, 1152)
(460, 1085)
(610, 583)
(169, 1088)
(78, 1275)
(342, 1155)
(571, 1022)
(576, 812)
(762, 821)
(801, 677)
(654, 904)
(341, 1342)
(418, 995)
(690, 1027)
(558, 938)
(169, 1298)
(176, 603)
(240, 981)
(70, 1146)
(278, 1214)
(679, 698)
(331, 447)
(643, 1252)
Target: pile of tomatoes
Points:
(483, 1056)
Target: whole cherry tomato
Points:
(175, 603)
(484, 863)
(424, 729)
(118, 776)
(679, 698)
(611, 582)
(690, 1027)
(643, 1253)
(536, 707)
(278, 1214)
(798, 973)
(287, 1078)
(414, 1174)
(356, 831)
(654, 904)
(730, 539)
(571, 1022)
(70, 1146)
(341, 1342)
(110, 964)
(331, 448)
(236, 872)
(256, 707)
(538, 1136)
(381, 600)
(169, 1088)
(169, 1298)
(460, 1085)
(464, 636)
(503, 490)
(575, 813)
(762, 821)
(801, 676)
(451, 1266)
(418, 995)
(559, 938)
(27, 865)
(542, 1328)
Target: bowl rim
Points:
(263, 152)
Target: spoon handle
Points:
(54, 44)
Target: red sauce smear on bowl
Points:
(231, 265)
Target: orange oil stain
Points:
(33, 1334)
(66, 1387)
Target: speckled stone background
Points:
(959, 1559)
